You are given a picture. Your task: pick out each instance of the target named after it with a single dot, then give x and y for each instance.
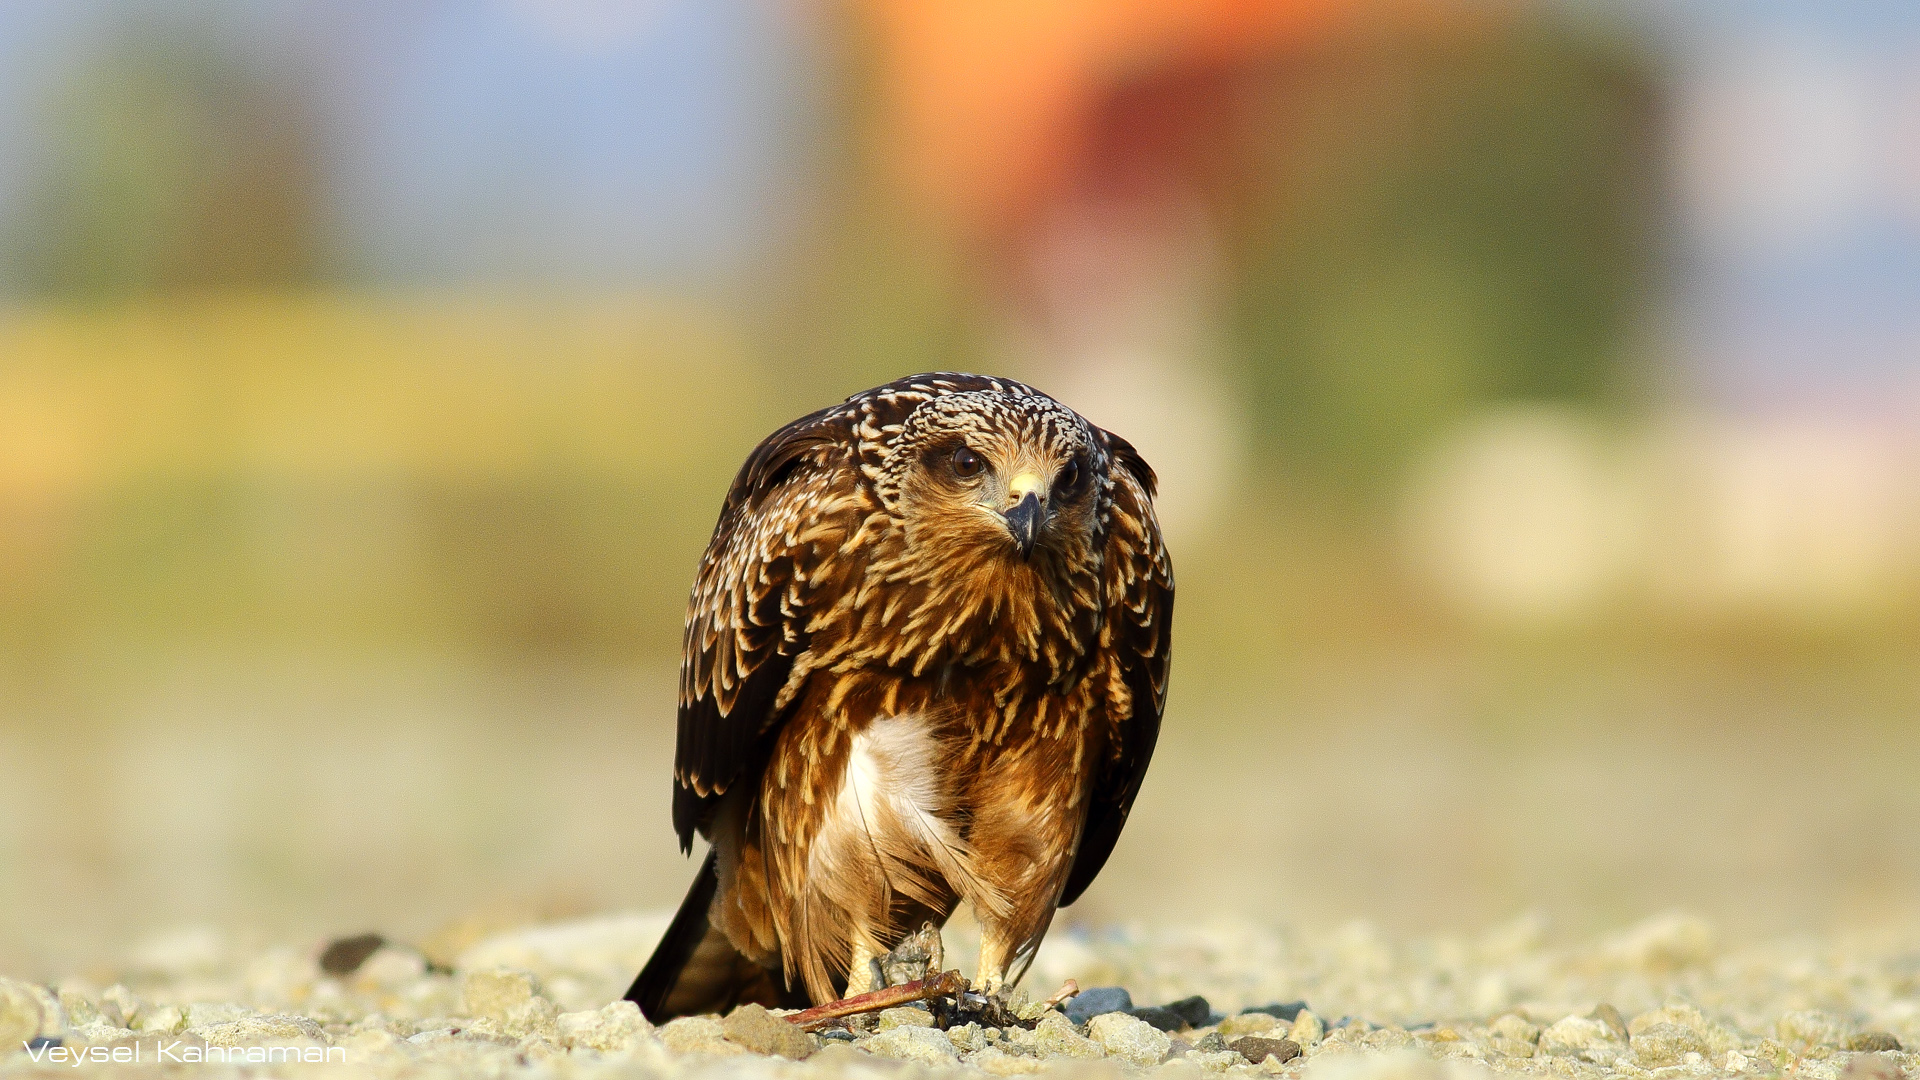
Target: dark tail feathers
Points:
(695, 970)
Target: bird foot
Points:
(919, 956)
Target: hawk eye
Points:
(1069, 477)
(966, 463)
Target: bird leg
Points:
(863, 975)
(995, 951)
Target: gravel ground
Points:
(1664, 998)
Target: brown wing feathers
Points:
(745, 622)
(1138, 643)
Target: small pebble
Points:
(1250, 1023)
(1162, 1019)
(1088, 1004)
(1666, 1044)
(910, 1016)
(1055, 1036)
(925, 1045)
(1257, 1050)
(1194, 1010)
(1129, 1038)
(343, 956)
(1280, 1011)
(1873, 1042)
(753, 1027)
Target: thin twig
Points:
(941, 985)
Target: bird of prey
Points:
(925, 661)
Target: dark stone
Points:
(1872, 1042)
(345, 955)
(1194, 1010)
(837, 1035)
(1256, 1049)
(42, 1042)
(1286, 1011)
(1098, 1001)
(1163, 1019)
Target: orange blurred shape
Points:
(988, 100)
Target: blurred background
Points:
(1535, 388)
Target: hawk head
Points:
(1002, 479)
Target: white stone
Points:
(698, 1035)
(610, 1029)
(207, 1013)
(1580, 1036)
(27, 1011)
(1129, 1038)
(261, 1029)
(926, 1045)
(510, 998)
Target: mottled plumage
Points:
(926, 657)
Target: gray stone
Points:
(753, 1027)
(1160, 1019)
(926, 1045)
(1194, 1010)
(1088, 1004)
(1129, 1038)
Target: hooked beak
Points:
(1023, 521)
(1024, 518)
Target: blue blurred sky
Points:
(563, 139)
